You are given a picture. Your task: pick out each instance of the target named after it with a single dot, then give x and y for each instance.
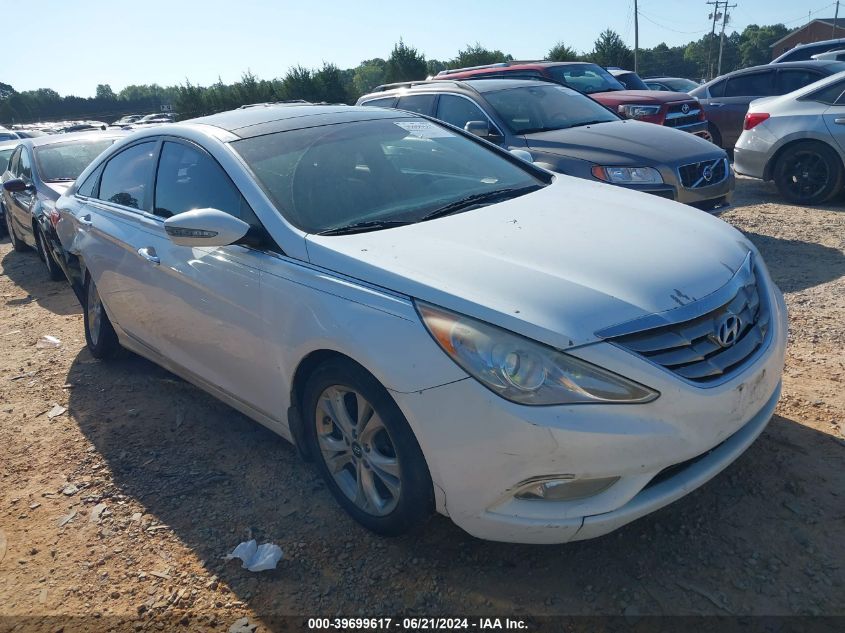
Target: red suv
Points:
(672, 109)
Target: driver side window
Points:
(458, 111)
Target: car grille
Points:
(676, 117)
(695, 175)
(691, 349)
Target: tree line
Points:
(331, 84)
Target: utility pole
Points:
(715, 15)
(835, 18)
(722, 36)
(637, 33)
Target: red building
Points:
(815, 31)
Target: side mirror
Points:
(479, 128)
(205, 227)
(523, 154)
(18, 185)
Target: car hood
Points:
(625, 143)
(57, 189)
(556, 265)
(642, 96)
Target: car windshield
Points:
(378, 173)
(546, 107)
(587, 78)
(5, 154)
(65, 161)
(680, 85)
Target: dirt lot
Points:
(122, 507)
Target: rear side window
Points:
(751, 85)
(829, 94)
(90, 186)
(127, 176)
(794, 78)
(458, 111)
(718, 89)
(386, 102)
(421, 104)
(188, 178)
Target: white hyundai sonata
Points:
(436, 323)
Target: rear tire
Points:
(99, 333)
(715, 136)
(19, 245)
(808, 173)
(54, 271)
(378, 473)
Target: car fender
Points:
(801, 135)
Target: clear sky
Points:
(73, 45)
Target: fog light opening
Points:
(562, 488)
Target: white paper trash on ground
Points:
(257, 557)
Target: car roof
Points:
(479, 85)
(10, 144)
(277, 118)
(811, 63)
(53, 139)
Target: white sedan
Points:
(436, 323)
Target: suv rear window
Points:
(587, 78)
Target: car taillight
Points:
(753, 119)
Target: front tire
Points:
(99, 333)
(808, 173)
(365, 449)
(53, 270)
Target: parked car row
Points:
(574, 355)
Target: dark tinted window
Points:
(631, 81)
(386, 102)
(458, 111)
(126, 177)
(188, 178)
(829, 94)
(65, 161)
(717, 90)
(751, 85)
(585, 78)
(25, 165)
(795, 78)
(90, 186)
(422, 104)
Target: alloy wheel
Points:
(358, 450)
(807, 174)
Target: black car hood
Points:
(624, 143)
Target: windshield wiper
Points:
(479, 199)
(361, 227)
(589, 123)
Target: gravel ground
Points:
(121, 507)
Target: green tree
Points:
(477, 55)
(434, 66)
(755, 42)
(405, 64)
(560, 52)
(299, 84)
(610, 50)
(368, 74)
(329, 84)
(105, 92)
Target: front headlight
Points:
(628, 175)
(522, 370)
(632, 111)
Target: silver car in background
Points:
(798, 141)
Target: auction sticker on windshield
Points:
(424, 129)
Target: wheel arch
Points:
(770, 165)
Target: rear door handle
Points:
(86, 221)
(839, 121)
(149, 253)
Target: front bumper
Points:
(479, 447)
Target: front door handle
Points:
(86, 221)
(149, 253)
(839, 121)
(716, 105)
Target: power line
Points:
(669, 28)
